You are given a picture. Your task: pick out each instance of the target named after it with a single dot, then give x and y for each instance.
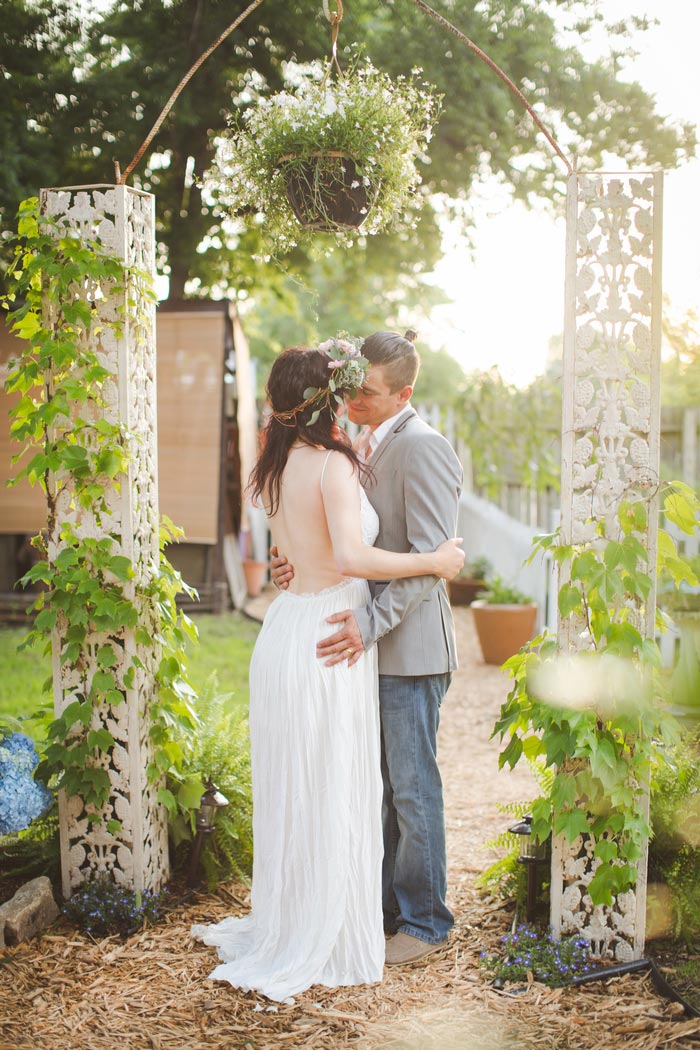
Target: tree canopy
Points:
(80, 92)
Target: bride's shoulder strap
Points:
(323, 468)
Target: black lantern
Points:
(211, 802)
(531, 853)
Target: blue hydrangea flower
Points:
(21, 798)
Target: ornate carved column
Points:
(610, 453)
(130, 841)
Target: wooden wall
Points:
(192, 342)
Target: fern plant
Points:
(219, 750)
(506, 879)
(674, 851)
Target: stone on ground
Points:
(30, 911)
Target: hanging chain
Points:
(335, 18)
(121, 179)
(499, 72)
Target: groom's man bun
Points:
(396, 355)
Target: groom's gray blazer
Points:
(414, 486)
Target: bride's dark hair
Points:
(294, 371)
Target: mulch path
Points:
(66, 991)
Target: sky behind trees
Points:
(59, 127)
(509, 297)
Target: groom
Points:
(414, 486)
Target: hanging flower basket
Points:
(325, 192)
(328, 155)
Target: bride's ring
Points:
(349, 652)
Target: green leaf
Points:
(570, 600)
(511, 753)
(606, 850)
(572, 822)
(167, 798)
(103, 681)
(613, 554)
(600, 887)
(634, 551)
(46, 620)
(541, 819)
(71, 714)
(100, 738)
(558, 744)
(190, 793)
(678, 510)
(532, 747)
(563, 791)
(584, 566)
(639, 515)
(109, 462)
(106, 656)
(66, 559)
(121, 567)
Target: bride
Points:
(316, 912)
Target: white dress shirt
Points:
(377, 435)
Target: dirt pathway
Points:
(66, 992)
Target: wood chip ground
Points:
(65, 991)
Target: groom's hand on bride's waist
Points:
(345, 644)
(281, 571)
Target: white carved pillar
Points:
(121, 221)
(610, 453)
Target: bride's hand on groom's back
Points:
(281, 571)
(450, 558)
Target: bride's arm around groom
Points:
(415, 487)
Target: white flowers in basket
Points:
(326, 155)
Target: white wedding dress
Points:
(316, 915)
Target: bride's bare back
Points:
(300, 526)
(317, 528)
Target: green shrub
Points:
(674, 850)
(496, 592)
(220, 751)
(32, 852)
(506, 879)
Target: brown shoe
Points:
(403, 949)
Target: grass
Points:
(226, 644)
(225, 647)
(680, 966)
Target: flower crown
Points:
(348, 368)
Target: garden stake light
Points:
(212, 802)
(531, 853)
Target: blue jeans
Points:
(414, 873)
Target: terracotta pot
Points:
(503, 629)
(326, 193)
(464, 589)
(255, 573)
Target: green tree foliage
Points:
(513, 434)
(97, 87)
(680, 373)
(36, 73)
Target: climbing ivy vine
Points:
(91, 594)
(600, 747)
